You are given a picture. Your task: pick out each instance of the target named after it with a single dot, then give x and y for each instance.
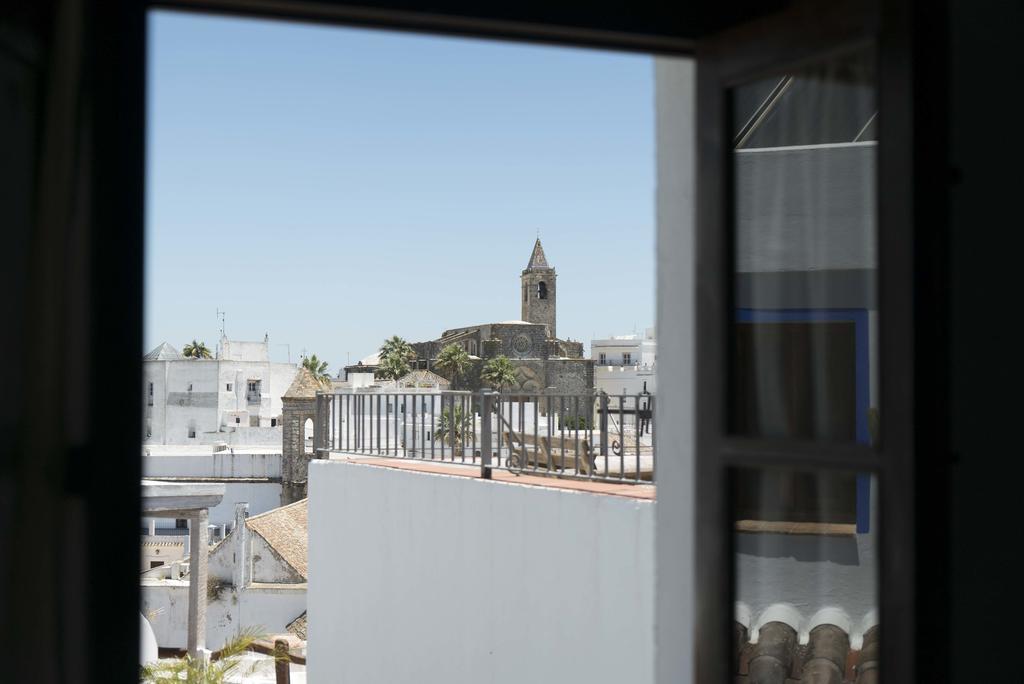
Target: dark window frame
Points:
(118, 68)
(907, 485)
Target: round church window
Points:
(521, 345)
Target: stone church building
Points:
(542, 360)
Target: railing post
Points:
(318, 433)
(486, 407)
(603, 424)
(282, 662)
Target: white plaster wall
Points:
(169, 422)
(265, 565)
(261, 497)
(244, 436)
(177, 375)
(204, 464)
(616, 379)
(805, 580)
(161, 549)
(417, 577)
(675, 97)
(268, 608)
(641, 351)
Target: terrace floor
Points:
(633, 491)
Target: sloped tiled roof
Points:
(304, 386)
(537, 258)
(298, 626)
(422, 378)
(286, 531)
(164, 352)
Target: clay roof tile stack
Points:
(826, 658)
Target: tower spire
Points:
(537, 258)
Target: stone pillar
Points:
(240, 546)
(297, 404)
(295, 460)
(198, 550)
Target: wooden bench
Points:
(547, 452)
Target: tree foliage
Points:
(453, 429)
(317, 367)
(395, 356)
(395, 346)
(392, 368)
(192, 671)
(196, 350)
(453, 361)
(499, 373)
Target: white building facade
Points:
(234, 397)
(625, 363)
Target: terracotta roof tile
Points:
(423, 378)
(286, 531)
(778, 657)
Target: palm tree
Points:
(190, 671)
(317, 367)
(196, 350)
(452, 361)
(499, 372)
(395, 346)
(392, 367)
(452, 430)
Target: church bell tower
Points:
(539, 290)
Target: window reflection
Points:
(805, 254)
(804, 366)
(806, 592)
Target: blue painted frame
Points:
(862, 371)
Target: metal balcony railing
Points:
(582, 436)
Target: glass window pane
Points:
(805, 257)
(806, 569)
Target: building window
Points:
(149, 400)
(602, 358)
(181, 523)
(191, 432)
(253, 393)
(190, 387)
(627, 358)
(228, 387)
(155, 564)
(542, 290)
(273, 422)
(238, 420)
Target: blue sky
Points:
(332, 187)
